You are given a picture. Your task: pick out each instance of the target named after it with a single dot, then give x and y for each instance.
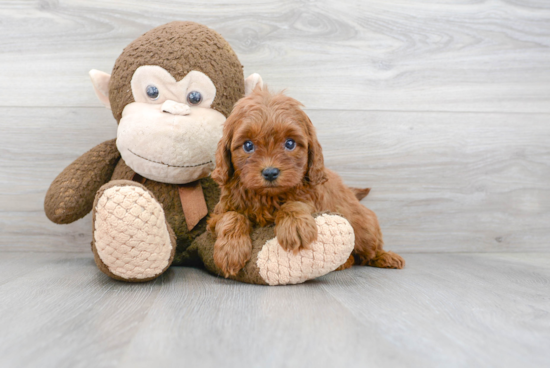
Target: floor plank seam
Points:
(322, 109)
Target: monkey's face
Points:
(170, 133)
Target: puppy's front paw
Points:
(295, 233)
(231, 253)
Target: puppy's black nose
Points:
(270, 173)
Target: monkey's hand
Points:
(71, 195)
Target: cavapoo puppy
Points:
(270, 168)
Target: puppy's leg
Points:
(295, 227)
(233, 246)
(368, 240)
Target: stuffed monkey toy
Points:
(149, 189)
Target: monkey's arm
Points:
(270, 264)
(71, 195)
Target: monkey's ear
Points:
(253, 81)
(100, 80)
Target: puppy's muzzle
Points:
(270, 173)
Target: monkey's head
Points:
(170, 91)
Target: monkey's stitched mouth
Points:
(169, 165)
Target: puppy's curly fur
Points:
(268, 124)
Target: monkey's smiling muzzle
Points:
(162, 145)
(170, 133)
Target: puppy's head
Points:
(269, 144)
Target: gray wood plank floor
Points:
(451, 310)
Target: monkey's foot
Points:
(335, 242)
(132, 241)
(270, 264)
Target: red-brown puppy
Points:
(269, 165)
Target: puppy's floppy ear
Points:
(316, 165)
(224, 168)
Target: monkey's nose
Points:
(270, 173)
(175, 108)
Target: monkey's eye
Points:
(152, 92)
(194, 97)
(290, 144)
(248, 147)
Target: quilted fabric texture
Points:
(130, 233)
(71, 195)
(334, 245)
(167, 195)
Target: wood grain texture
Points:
(442, 182)
(458, 310)
(456, 180)
(447, 181)
(434, 55)
(443, 108)
(49, 310)
(468, 311)
(36, 144)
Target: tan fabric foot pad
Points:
(130, 233)
(334, 245)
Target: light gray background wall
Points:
(444, 110)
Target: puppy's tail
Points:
(360, 193)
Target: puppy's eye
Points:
(290, 144)
(248, 147)
(194, 97)
(152, 92)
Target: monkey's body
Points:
(167, 195)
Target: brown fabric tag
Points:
(193, 203)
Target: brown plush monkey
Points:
(149, 189)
